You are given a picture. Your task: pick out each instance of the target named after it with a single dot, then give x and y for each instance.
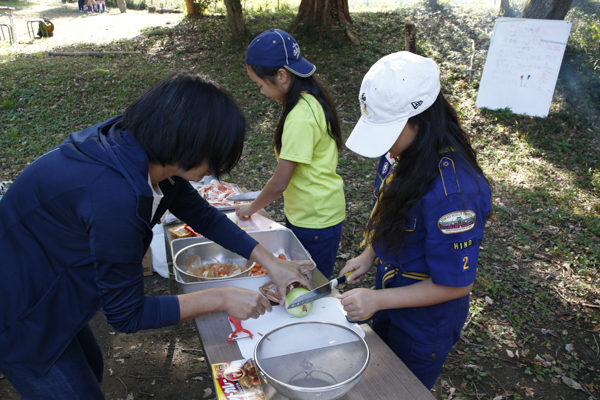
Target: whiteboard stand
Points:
(522, 65)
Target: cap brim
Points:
(301, 68)
(371, 140)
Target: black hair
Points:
(416, 170)
(297, 86)
(186, 119)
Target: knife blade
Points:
(244, 196)
(321, 291)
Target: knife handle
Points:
(342, 279)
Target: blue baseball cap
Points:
(276, 48)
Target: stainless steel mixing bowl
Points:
(209, 252)
(311, 360)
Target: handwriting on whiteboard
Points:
(522, 65)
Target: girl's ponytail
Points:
(298, 86)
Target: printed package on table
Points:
(237, 380)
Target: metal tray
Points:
(277, 241)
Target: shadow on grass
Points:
(18, 5)
(587, 6)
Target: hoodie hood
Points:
(108, 144)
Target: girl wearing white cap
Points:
(430, 207)
(307, 139)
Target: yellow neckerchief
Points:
(366, 239)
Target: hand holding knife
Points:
(321, 291)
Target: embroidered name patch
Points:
(456, 222)
(454, 246)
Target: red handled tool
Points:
(190, 230)
(238, 328)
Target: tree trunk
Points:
(191, 8)
(547, 9)
(410, 37)
(235, 17)
(505, 10)
(322, 14)
(122, 6)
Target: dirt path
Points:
(72, 27)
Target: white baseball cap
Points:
(397, 87)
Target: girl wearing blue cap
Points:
(307, 140)
(430, 207)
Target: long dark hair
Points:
(416, 170)
(298, 85)
(185, 119)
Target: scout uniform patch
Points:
(457, 222)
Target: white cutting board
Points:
(325, 309)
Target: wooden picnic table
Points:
(386, 376)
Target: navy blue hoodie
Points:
(74, 227)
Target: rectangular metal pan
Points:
(277, 241)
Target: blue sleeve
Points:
(452, 258)
(124, 304)
(117, 236)
(454, 225)
(205, 219)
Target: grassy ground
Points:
(534, 328)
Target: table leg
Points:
(12, 23)
(8, 13)
(172, 282)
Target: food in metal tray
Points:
(257, 270)
(213, 270)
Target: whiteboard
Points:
(522, 65)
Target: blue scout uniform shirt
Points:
(442, 242)
(443, 237)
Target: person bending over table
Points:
(76, 223)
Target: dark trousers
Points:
(75, 375)
(322, 244)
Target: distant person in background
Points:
(100, 6)
(431, 204)
(307, 140)
(90, 7)
(76, 223)
(81, 5)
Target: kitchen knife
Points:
(244, 196)
(319, 292)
